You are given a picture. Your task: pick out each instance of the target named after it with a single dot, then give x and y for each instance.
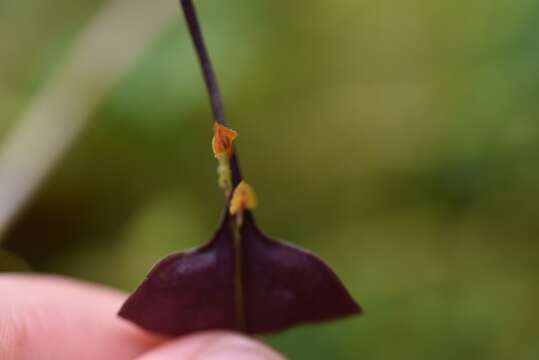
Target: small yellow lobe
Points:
(243, 197)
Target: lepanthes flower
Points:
(243, 198)
(222, 140)
(241, 280)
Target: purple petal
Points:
(193, 291)
(188, 292)
(285, 285)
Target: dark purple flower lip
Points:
(282, 286)
(241, 280)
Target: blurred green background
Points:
(397, 140)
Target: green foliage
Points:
(403, 136)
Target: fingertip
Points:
(40, 310)
(214, 345)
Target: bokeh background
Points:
(399, 140)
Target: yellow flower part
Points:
(222, 140)
(243, 197)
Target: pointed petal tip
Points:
(186, 292)
(286, 285)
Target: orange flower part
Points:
(222, 140)
(243, 197)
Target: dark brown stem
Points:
(209, 77)
(219, 116)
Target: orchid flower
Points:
(241, 280)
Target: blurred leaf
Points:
(169, 223)
(10, 262)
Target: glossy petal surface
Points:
(187, 292)
(193, 291)
(285, 285)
